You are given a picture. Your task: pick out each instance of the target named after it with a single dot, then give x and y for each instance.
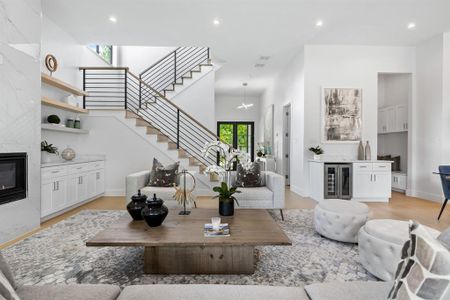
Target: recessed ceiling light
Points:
(216, 22)
(411, 25)
(319, 23)
(259, 65)
(264, 57)
(113, 19)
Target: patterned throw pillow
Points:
(250, 176)
(6, 289)
(163, 176)
(424, 271)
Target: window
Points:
(238, 134)
(104, 51)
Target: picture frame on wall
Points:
(341, 115)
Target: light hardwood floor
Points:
(400, 207)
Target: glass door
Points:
(238, 134)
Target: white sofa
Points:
(270, 196)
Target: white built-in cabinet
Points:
(372, 181)
(399, 181)
(393, 119)
(68, 185)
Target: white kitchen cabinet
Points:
(67, 185)
(401, 118)
(53, 195)
(372, 181)
(100, 184)
(399, 181)
(393, 119)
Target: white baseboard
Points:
(299, 191)
(115, 192)
(425, 196)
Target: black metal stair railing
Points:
(173, 68)
(118, 88)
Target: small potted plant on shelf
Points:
(226, 199)
(318, 151)
(48, 152)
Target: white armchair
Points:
(270, 196)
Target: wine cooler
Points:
(338, 181)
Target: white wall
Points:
(139, 58)
(198, 100)
(70, 55)
(430, 148)
(287, 88)
(20, 109)
(226, 110)
(125, 151)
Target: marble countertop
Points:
(77, 160)
(349, 161)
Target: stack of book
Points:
(224, 230)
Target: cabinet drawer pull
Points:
(363, 167)
(382, 166)
(79, 168)
(55, 172)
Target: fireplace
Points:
(13, 177)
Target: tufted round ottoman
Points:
(340, 220)
(380, 243)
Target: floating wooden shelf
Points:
(62, 105)
(52, 127)
(62, 85)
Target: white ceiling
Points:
(250, 28)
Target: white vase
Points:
(47, 157)
(317, 156)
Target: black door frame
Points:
(235, 123)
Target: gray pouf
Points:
(340, 220)
(380, 244)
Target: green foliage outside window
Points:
(104, 51)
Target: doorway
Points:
(239, 134)
(287, 142)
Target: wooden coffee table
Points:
(178, 246)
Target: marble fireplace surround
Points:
(20, 109)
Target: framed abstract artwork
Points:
(341, 115)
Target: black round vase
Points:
(155, 212)
(136, 206)
(226, 208)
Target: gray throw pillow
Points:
(250, 176)
(444, 238)
(4, 267)
(161, 176)
(6, 289)
(424, 271)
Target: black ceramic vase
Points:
(226, 207)
(155, 212)
(136, 206)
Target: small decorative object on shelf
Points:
(183, 194)
(368, 152)
(361, 155)
(49, 152)
(155, 212)
(68, 153)
(77, 123)
(136, 206)
(70, 123)
(51, 63)
(318, 151)
(53, 119)
(226, 199)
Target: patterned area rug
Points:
(59, 255)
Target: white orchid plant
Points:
(230, 155)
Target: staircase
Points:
(144, 99)
(171, 71)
